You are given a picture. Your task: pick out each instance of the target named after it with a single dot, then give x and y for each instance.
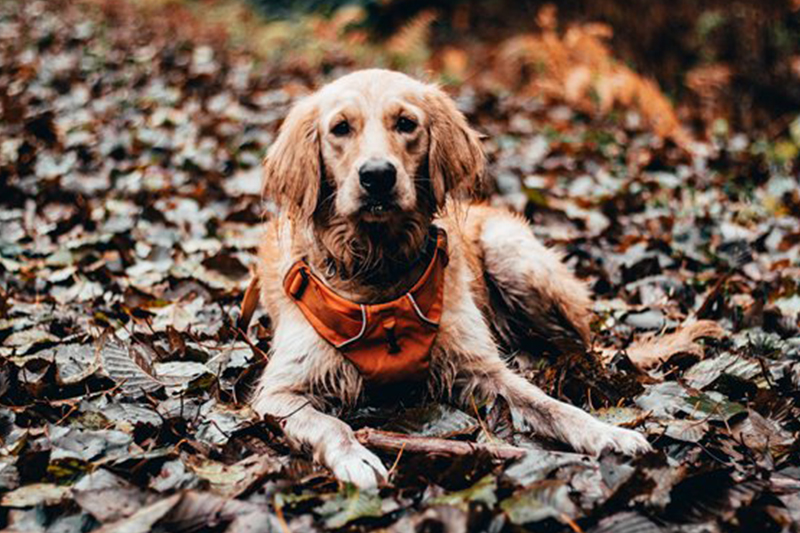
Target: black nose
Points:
(377, 176)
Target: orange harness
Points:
(388, 341)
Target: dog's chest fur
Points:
(462, 326)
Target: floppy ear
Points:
(455, 156)
(292, 166)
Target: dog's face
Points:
(373, 147)
(373, 143)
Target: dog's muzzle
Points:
(378, 178)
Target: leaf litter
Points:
(129, 163)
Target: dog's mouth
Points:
(376, 210)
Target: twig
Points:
(392, 442)
(712, 295)
(481, 423)
(252, 346)
(284, 417)
(279, 515)
(396, 462)
(570, 522)
(71, 410)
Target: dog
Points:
(376, 268)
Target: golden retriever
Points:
(360, 172)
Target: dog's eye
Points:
(341, 128)
(405, 125)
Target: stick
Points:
(392, 442)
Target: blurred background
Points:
(720, 63)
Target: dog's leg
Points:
(537, 294)
(331, 441)
(479, 369)
(283, 393)
(544, 299)
(488, 377)
(561, 421)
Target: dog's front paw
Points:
(603, 437)
(357, 465)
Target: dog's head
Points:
(373, 147)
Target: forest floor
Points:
(130, 191)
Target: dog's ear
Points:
(292, 167)
(455, 156)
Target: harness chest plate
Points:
(387, 342)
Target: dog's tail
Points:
(652, 350)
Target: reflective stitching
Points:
(419, 311)
(360, 333)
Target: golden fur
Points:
(501, 284)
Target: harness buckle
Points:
(299, 284)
